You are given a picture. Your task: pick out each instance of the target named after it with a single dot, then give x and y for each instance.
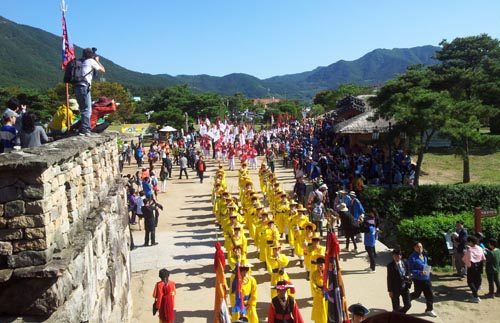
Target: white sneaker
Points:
(474, 300)
(345, 249)
(430, 313)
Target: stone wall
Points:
(64, 237)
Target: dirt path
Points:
(186, 236)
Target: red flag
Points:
(221, 314)
(68, 50)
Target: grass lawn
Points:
(443, 167)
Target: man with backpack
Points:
(90, 65)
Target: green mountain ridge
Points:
(31, 58)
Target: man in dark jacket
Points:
(461, 244)
(148, 211)
(399, 282)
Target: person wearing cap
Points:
(90, 66)
(283, 308)
(399, 282)
(369, 240)
(358, 312)
(307, 236)
(315, 250)
(290, 218)
(348, 225)
(248, 291)
(282, 211)
(59, 124)
(272, 238)
(262, 236)
(277, 263)
(298, 227)
(9, 137)
(319, 306)
(357, 210)
(419, 268)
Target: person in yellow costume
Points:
(272, 238)
(292, 214)
(59, 123)
(307, 236)
(261, 234)
(298, 226)
(256, 222)
(319, 307)
(278, 262)
(282, 211)
(232, 239)
(263, 177)
(248, 290)
(316, 249)
(249, 213)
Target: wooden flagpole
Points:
(64, 9)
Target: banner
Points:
(139, 128)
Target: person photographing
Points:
(90, 66)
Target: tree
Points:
(124, 109)
(415, 107)
(329, 98)
(469, 71)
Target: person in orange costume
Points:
(164, 294)
(100, 108)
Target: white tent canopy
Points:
(167, 129)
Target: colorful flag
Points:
(221, 312)
(333, 282)
(68, 50)
(238, 306)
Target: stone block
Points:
(29, 258)
(14, 208)
(11, 234)
(34, 233)
(5, 275)
(28, 221)
(1, 209)
(35, 192)
(5, 248)
(29, 245)
(9, 193)
(3, 222)
(37, 207)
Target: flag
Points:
(272, 118)
(279, 119)
(207, 121)
(333, 283)
(221, 312)
(238, 306)
(68, 50)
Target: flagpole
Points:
(64, 9)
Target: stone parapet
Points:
(64, 237)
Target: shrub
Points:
(430, 230)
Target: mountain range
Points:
(31, 57)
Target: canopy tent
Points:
(167, 129)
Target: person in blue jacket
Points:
(420, 273)
(370, 239)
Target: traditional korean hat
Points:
(309, 224)
(282, 285)
(316, 236)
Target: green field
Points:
(443, 167)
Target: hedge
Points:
(443, 203)
(430, 230)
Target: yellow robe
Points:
(319, 307)
(249, 290)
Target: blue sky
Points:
(262, 38)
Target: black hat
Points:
(358, 309)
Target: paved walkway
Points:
(186, 236)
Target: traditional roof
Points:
(362, 124)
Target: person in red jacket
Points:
(164, 295)
(284, 308)
(100, 108)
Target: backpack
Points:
(74, 72)
(154, 181)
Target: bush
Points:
(430, 231)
